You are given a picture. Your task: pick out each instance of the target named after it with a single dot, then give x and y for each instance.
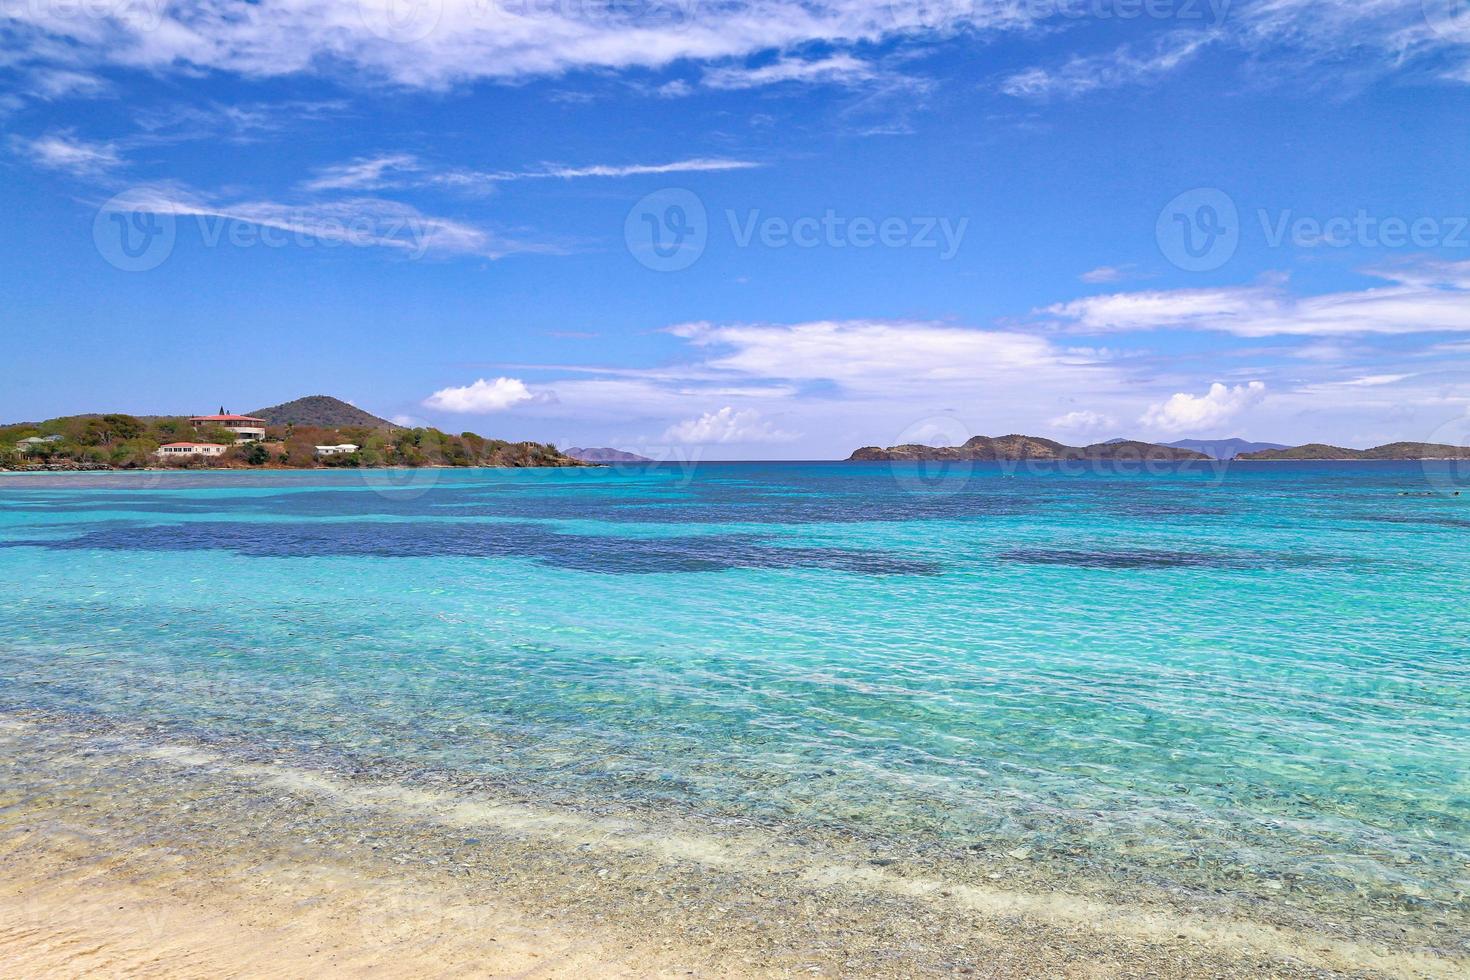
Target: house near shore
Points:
(340, 450)
(179, 450)
(35, 442)
(245, 428)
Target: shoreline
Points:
(311, 861)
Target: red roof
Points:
(225, 418)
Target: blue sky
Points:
(746, 229)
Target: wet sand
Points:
(130, 852)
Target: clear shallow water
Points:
(1258, 679)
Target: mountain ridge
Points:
(1225, 448)
(1390, 450)
(1022, 447)
(604, 454)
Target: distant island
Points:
(1019, 447)
(312, 432)
(1392, 450)
(604, 454)
(1225, 448)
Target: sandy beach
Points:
(124, 855)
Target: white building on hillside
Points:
(344, 448)
(246, 428)
(178, 450)
(36, 442)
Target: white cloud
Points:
(725, 426)
(838, 69)
(481, 397)
(692, 165)
(367, 173)
(1107, 273)
(1083, 421)
(441, 43)
(61, 83)
(1200, 413)
(1349, 384)
(1122, 67)
(1418, 299)
(878, 355)
(363, 222)
(446, 42)
(71, 154)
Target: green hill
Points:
(1392, 450)
(324, 411)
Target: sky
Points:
(745, 229)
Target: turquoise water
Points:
(1197, 677)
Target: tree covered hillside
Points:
(129, 442)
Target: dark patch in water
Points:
(1436, 520)
(1080, 558)
(790, 498)
(401, 539)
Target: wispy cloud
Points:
(1109, 273)
(438, 45)
(366, 173)
(1424, 298)
(407, 170)
(1122, 67)
(361, 221)
(560, 172)
(61, 83)
(69, 153)
(837, 69)
(233, 122)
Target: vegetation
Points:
(1018, 447)
(1393, 450)
(129, 442)
(324, 411)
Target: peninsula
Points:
(312, 432)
